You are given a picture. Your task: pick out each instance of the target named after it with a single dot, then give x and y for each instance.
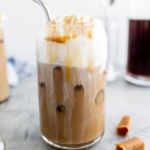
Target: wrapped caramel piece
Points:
(132, 144)
(124, 126)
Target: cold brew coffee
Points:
(139, 48)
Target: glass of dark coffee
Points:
(138, 65)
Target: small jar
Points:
(4, 87)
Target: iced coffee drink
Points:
(4, 87)
(71, 59)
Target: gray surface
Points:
(19, 117)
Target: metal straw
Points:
(47, 12)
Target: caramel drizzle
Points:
(71, 31)
(91, 59)
(60, 39)
(49, 54)
(77, 50)
(68, 64)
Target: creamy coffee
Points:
(4, 87)
(71, 112)
(71, 59)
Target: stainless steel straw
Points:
(46, 10)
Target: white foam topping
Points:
(88, 48)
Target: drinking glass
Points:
(4, 87)
(71, 83)
(138, 66)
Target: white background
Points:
(24, 17)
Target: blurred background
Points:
(24, 17)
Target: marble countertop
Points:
(19, 116)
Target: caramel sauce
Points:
(90, 34)
(60, 39)
(91, 59)
(68, 64)
(53, 22)
(81, 19)
(56, 55)
(71, 30)
(68, 19)
(75, 18)
(78, 54)
(50, 52)
(91, 19)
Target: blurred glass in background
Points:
(4, 87)
(112, 28)
(138, 65)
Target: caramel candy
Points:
(132, 144)
(124, 126)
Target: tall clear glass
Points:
(4, 87)
(71, 61)
(138, 66)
